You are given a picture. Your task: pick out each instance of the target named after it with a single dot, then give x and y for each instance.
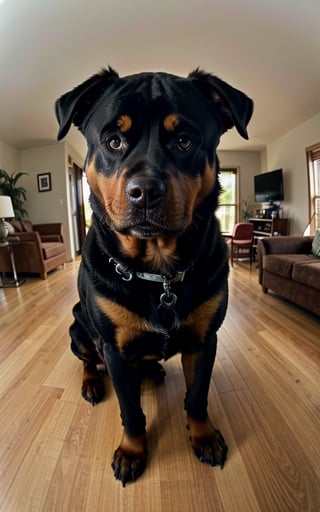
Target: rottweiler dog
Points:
(153, 275)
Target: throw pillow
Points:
(316, 244)
(9, 227)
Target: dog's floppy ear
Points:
(236, 108)
(73, 106)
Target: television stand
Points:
(268, 227)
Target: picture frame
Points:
(44, 182)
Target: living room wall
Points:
(48, 206)
(289, 153)
(53, 205)
(9, 158)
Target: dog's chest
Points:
(141, 327)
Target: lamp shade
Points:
(6, 208)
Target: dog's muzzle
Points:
(145, 192)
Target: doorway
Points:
(77, 206)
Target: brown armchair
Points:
(37, 248)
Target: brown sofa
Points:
(288, 267)
(37, 248)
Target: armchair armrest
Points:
(27, 236)
(47, 231)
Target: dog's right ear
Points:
(73, 106)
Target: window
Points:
(313, 158)
(228, 208)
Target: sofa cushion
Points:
(282, 264)
(307, 273)
(51, 249)
(316, 244)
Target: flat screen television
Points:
(268, 187)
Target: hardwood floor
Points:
(56, 449)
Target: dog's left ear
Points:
(73, 106)
(234, 106)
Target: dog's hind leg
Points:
(84, 348)
(207, 442)
(92, 383)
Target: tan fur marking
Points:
(200, 318)
(188, 363)
(200, 431)
(208, 180)
(130, 246)
(160, 253)
(110, 191)
(128, 325)
(124, 123)
(171, 122)
(133, 445)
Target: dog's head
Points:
(152, 140)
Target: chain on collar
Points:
(168, 299)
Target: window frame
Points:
(313, 155)
(235, 170)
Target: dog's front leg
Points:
(207, 442)
(129, 460)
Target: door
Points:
(77, 207)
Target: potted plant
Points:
(247, 208)
(9, 187)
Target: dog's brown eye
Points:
(184, 143)
(114, 143)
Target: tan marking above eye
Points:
(124, 123)
(171, 122)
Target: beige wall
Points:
(288, 152)
(9, 158)
(51, 206)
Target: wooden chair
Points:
(242, 238)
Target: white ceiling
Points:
(270, 50)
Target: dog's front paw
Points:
(130, 459)
(212, 451)
(207, 443)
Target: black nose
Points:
(145, 192)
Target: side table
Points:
(15, 282)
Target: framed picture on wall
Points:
(44, 182)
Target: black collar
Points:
(167, 299)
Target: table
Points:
(15, 282)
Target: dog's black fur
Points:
(153, 172)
